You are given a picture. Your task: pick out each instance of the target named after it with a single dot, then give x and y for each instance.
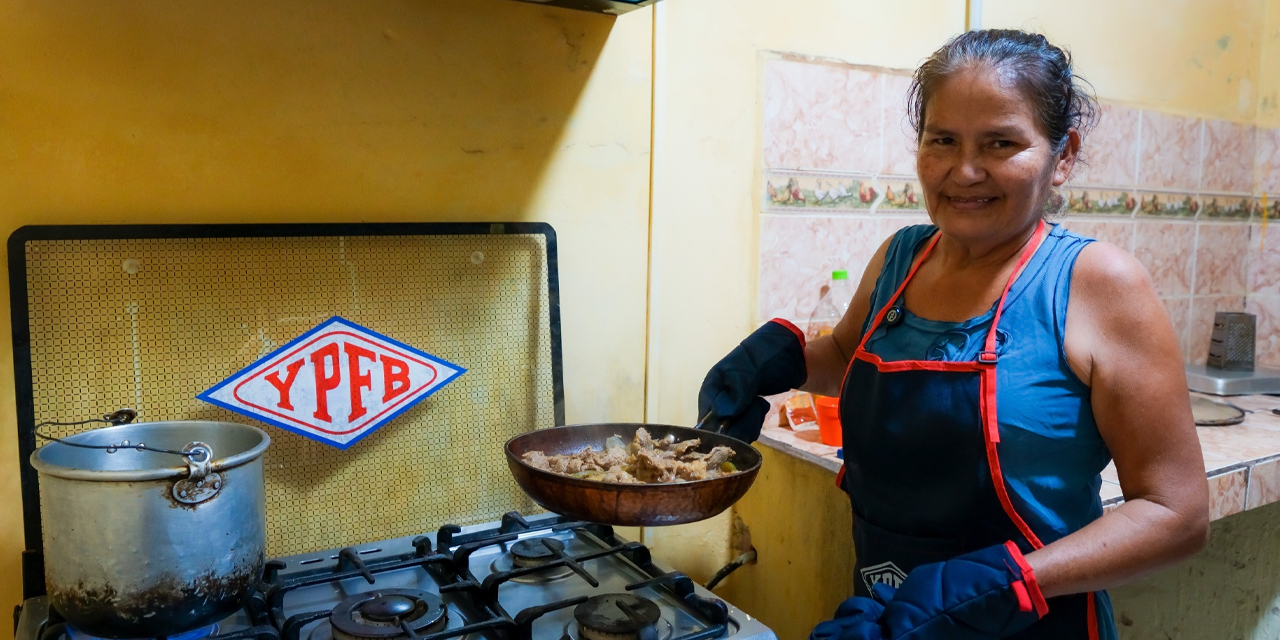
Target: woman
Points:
(989, 367)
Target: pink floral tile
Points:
(1109, 474)
(1227, 493)
(820, 116)
(1169, 157)
(1264, 259)
(1264, 484)
(1179, 310)
(1267, 308)
(890, 225)
(1267, 161)
(1203, 309)
(1228, 157)
(1111, 149)
(1165, 249)
(1117, 232)
(899, 138)
(798, 254)
(1221, 254)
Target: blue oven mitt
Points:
(768, 362)
(855, 618)
(983, 595)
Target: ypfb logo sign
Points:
(336, 383)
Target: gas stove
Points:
(520, 579)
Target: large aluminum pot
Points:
(136, 543)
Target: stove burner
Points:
(389, 609)
(618, 616)
(194, 634)
(385, 613)
(531, 552)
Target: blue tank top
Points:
(1050, 449)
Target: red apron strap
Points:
(896, 294)
(991, 424)
(1036, 240)
(1093, 618)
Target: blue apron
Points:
(922, 467)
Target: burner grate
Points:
(404, 614)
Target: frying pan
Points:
(629, 505)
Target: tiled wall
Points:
(1182, 194)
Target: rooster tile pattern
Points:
(1184, 194)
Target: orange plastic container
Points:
(829, 420)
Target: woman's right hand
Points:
(769, 361)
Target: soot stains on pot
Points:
(105, 611)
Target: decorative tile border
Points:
(1225, 206)
(1083, 201)
(1273, 207)
(901, 194)
(795, 190)
(1168, 205)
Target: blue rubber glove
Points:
(768, 362)
(983, 595)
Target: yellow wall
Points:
(1195, 57)
(302, 111)
(1269, 71)
(707, 115)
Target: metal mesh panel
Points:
(149, 323)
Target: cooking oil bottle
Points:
(831, 306)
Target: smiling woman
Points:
(1001, 117)
(989, 367)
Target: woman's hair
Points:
(1041, 71)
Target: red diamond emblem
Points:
(336, 383)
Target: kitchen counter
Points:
(1242, 462)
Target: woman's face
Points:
(986, 165)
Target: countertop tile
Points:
(1264, 484)
(1110, 490)
(1240, 443)
(1242, 462)
(1227, 493)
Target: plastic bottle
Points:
(831, 306)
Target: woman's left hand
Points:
(988, 594)
(856, 619)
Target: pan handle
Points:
(711, 422)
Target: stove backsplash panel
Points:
(150, 323)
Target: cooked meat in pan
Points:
(643, 461)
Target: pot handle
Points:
(116, 419)
(199, 455)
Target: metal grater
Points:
(1232, 342)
